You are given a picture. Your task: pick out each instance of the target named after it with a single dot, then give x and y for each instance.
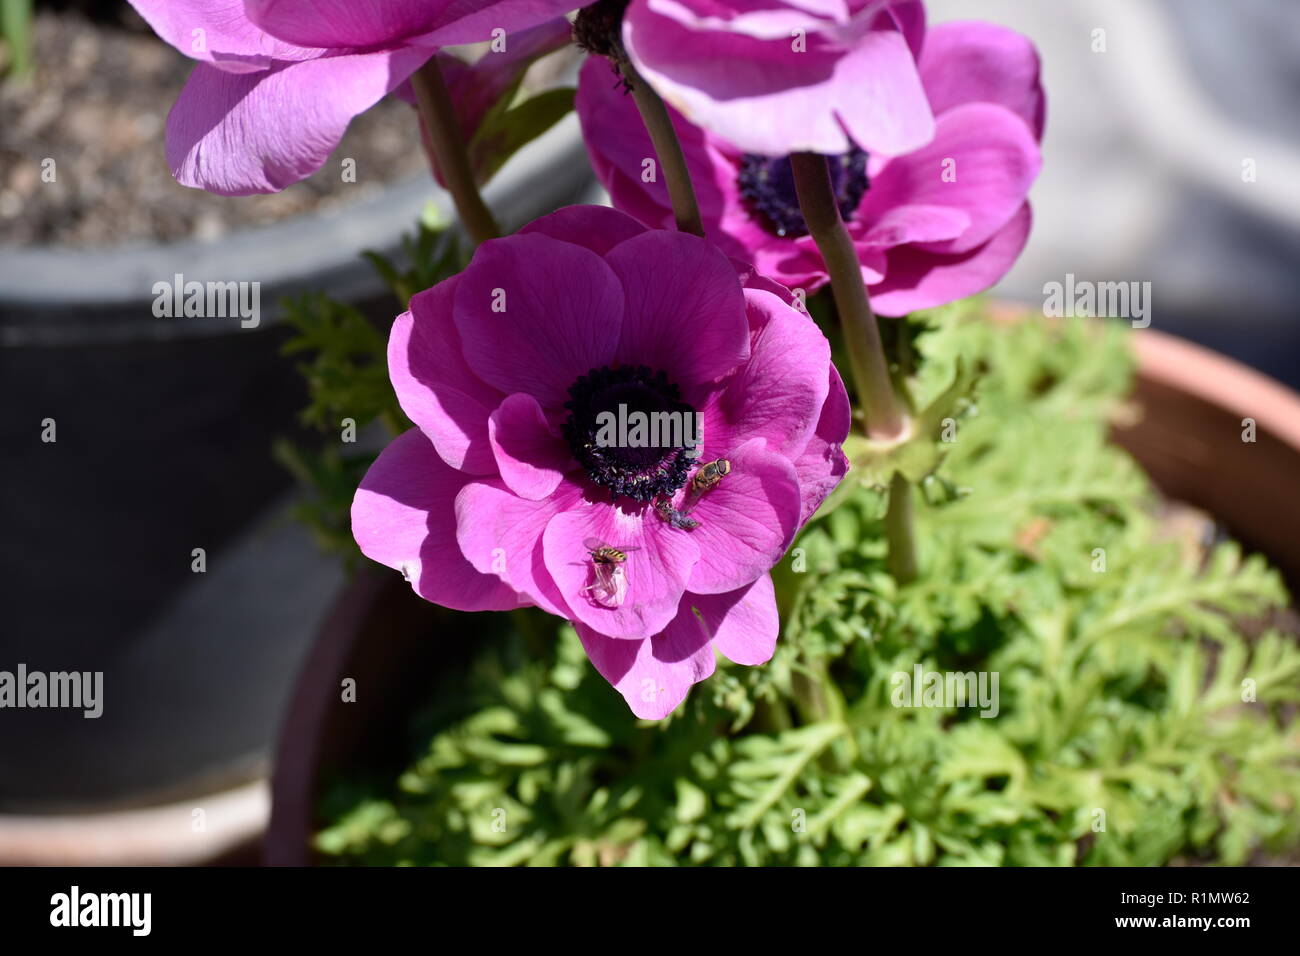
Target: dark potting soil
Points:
(97, 105)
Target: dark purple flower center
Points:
(767, 185)
(606, 408)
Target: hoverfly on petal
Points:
(674, 518)
(710, 476)
(610, 586)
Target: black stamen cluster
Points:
(641, 474)
(766, 184)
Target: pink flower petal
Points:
(369, 23)
(350, 24)
(625, 160)
(993, 160)
(765, 21)
(823, 464)
(909, 16)
(744, 623)
(656, 569)
(778, 394)
(756, 93)
(241, 133)
(218, 32)
(754, 278)
(880, 99)
(764, 96)
(653, 674)
(619, 146)
(531, 457)
(597, 228)
(402, 517)
(922, 280)
(500, 533)
(746, 522)
(435, 387)
(535, 313)
(684, 308)
(915, 223)
(972, 62)
(469, 21)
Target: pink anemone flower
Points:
(513, 490)
(932, 226)
(782, 76)
(278, 81)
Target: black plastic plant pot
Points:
(133, 437)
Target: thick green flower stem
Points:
(449, 152)
(885, 414)
(672, 161)
(900, 533)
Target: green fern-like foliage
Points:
(342, 357)
(1144, 713)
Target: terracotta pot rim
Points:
(1219, 380)
(294, 772)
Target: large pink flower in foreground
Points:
(934, 225)
(278, 81)
(782, 76)
(502, 492)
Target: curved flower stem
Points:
(686, 210)
(449, 151)
(885, 414)
(883, 408)
(900, 534)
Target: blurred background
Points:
(1143, 160)
(165, 426)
